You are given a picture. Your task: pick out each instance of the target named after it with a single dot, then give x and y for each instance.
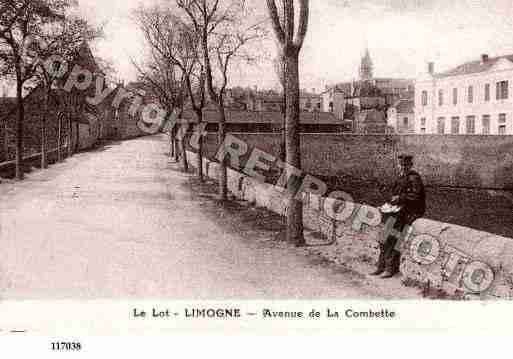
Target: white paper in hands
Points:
(389, 208)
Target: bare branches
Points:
(285, 34)
(62, 42)
(223, 36)
(173, 68)
(24, 21)
(288, 21)
(275, 20)
(304, 14)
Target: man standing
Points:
(409, 195)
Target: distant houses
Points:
(269, 100)
(80, 123)
(365, 102)
(473, 98)
(401, 117)
(268, 121)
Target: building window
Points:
(454, 96)
(502, 90)
(405, 121)
(471, 125)
(424, 98)
(470, 94)
(487, 92)
(455, 126)
(440, 97)
(486, 124)
(331, 106)
(441, 125)
(502, 124)
(423, 125)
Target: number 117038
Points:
(66, 346)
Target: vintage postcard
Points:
(228, 166)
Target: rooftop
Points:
(232, 116)
(405, 106)
(473, 67)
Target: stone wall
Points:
(34, 105)
(455, 161)
(450, 263)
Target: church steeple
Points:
(366, 67)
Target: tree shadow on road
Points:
(258, 224)
(236, 216)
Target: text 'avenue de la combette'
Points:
(266, 313)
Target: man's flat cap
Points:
(405, 158)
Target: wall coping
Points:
(494, 250)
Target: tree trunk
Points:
(70, 128)
(283, 147)
(19, 128)
(6, 141)
(44, 161)
(182, 139)
(223, 176)
(43, 143)
(171, 145)
(185, 162)
(293, 149)
(200, 147)
(200, 159)
(174, 144)
(77, 139)
(59, 139)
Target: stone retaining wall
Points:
(451, 161)
(454, 269)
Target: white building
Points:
(401, 117)
(473, 98)
(333, 100)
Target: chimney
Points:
(484, 58)
(431, 68)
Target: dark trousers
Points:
(389, 257)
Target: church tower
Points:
(366, 67)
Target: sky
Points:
(402, 36)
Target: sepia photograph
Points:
(171, 165)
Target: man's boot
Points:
(388, 274)
(378, 271)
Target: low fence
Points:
(454, 259)
(8, 168)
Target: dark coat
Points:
(412, 196)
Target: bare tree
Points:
(58, 46)
(223, 35)
(160, 79)
(174, 50)
(22, 20)
(290, 42)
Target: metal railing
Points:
(33, 156)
